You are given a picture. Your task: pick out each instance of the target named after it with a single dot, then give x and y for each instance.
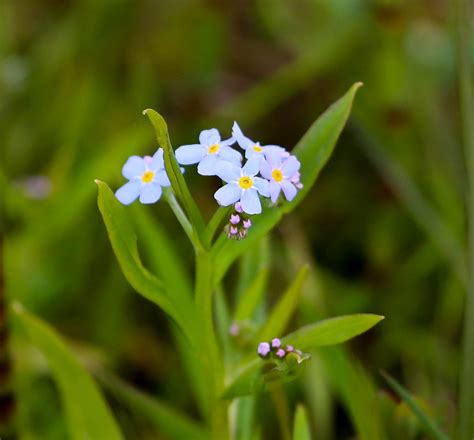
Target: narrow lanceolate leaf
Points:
(331, 331)
(313, 151)
(124, 243)
(176, 177)
(87, 414)
(281, 314)
(301, 428)
(257, 375)
(167, 419)
(426, 422)
(251, 297)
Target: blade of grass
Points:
(425, 421)
(281, 314)
(169, 421)
(466, 98)
(409, 194)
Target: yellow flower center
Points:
(148, 176)
(245, 182)
(213, 149)
(277, 175)
(257, 148)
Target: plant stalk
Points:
(213, 366)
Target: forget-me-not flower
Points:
(280, 172)
(146, 176)
(242, 185)
(253, 148)
(210, 151)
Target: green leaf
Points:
(169, 421)
(124, 243)
(331, 331)
(301, 428)
(251, 296)
(88, 415)
(257, 375)
(158, 245)
(426, 422)
(176, 177)
(284, 309)
(313, 151)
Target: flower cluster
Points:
(274, 347)
(261, 171)
(239, 223)
(267, 171)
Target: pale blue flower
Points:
(146, 176)
(242, 185)
(210, 151)
(253, 148)
(282, 173)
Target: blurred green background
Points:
(383, 227)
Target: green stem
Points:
(210, 352)
(180, 215)
(466, 409)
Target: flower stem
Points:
(210, 354)
(466, 99)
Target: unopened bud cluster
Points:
(274, 348)
(239, 223)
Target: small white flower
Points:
(210, 151)
(282, 173)
(146, 176)
(242, 185)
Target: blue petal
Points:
(251, 202)
(135, 166)
(228, 194)
(274, 189)
(229, 154)
(129, 192)
(209, 137)
(252, 167)
(265, 169)
(190, 154)
(288, 189)
(207, 166)
(290, 166)
(262, 186)
(242, 140)
(227, 171)
(273, 156)
(228, 142)
(150, 193)
(157, 161)
(161, 178)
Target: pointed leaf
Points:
(124, 243)
(281, 314)
(87, 413)
(257, 374)
(301, 429)
(176, 177)
(169, 421)
(313, 151)
(331, 331)
(426, 422)
(251, 296)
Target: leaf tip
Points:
(98, 182)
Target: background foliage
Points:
(383, 230)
